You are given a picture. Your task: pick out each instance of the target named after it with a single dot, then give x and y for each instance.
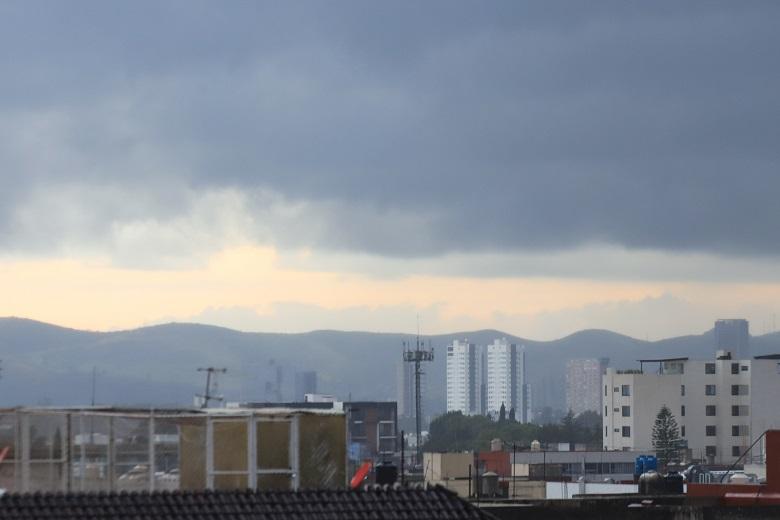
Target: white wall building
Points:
(464, 378)
(505, 378)
(721, 405)
(583, 384)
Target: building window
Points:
(626, 431)
(735, 368)
(709, 430)
(682, 431)
(617, 430)
(616, 409)
(710, 451)
(744, 368)
(740, 410)
(710, 410)
(606, 431)
(386, 429)
(736, 451)
(605, 390)
(682, 389)
(740, 390)
(625, 390)
(709, 390)
(626, 411)
(709, 368)
(739, 430)
(386, 446)
(616, 389)
(682, 411)
(605, 411)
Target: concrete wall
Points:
(495, 461)
(764, 400)
(526, 489)
(563, 490)
(445, 466)
(648, 393)
(554, 459)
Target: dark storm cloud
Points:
(407, 128)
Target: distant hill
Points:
(46, 364)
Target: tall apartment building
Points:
(465, 387)
(305, 383)
(527, 413)
(734, 336)
(721, 406)
(583, 384)
(505, 381)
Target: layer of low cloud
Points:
(650, 318)
(393, 131)
(299, 317)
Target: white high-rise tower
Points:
(464, 378)
(505, 378)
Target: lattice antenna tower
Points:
(417, 355)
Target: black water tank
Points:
(386, 473)
(651, 483)
(674, 483)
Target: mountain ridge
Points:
(157, 364)
(464, 333)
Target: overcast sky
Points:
(538, 167)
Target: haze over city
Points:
(535, 168)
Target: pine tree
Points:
(666, 436)
(512, 417)
(502, 413)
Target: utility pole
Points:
(94, 377)
(417, 356)
(211, 373)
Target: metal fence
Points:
(117, 450)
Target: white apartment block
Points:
(505, 378)
(721, 405)
(583, 384)
(464, 378)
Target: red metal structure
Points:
(360, 475)
(748, 494)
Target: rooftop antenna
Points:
(208, 395)
(417, 355)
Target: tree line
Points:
(454, 431)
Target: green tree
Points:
(588, 427)
(454, 431)
(666, 436)
(569, 430)
(512, 417)
(502, 413)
